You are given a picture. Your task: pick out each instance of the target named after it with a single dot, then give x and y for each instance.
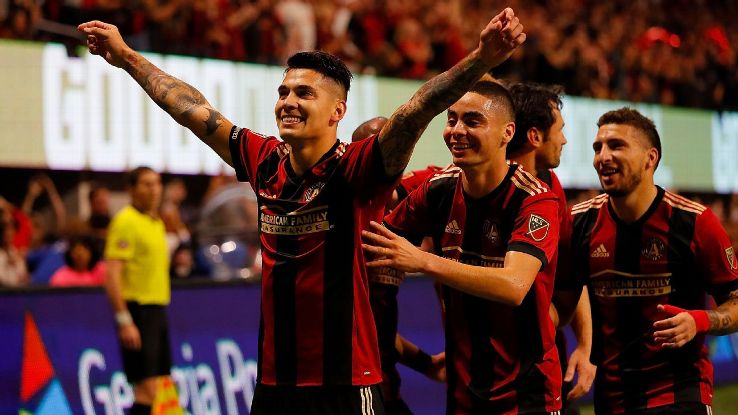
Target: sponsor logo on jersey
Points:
(294, 223)
(453, 227)
(600, 252)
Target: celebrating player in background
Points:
(318, 345)
(537, 145)
(495, 230)
(384, 284)
(137, 285)
(648, 256)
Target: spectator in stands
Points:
(83, 265)
(12, 264)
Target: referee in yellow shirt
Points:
(137, 285)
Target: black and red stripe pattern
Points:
(674, 254)
(500, 359)
(317, 326)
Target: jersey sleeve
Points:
(120, 241)
(715, 256)
(412, 217)
(248, 149)
(536, 228)
(364, 168)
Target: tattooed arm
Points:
(180, 100)
(498, 40)
(724, 319)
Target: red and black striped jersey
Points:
(316, 321)
(413, 179)
(499, 358)
(674, 254)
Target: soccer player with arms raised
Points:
(318, 345)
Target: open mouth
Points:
(290, 120)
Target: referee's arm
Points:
(127, 331)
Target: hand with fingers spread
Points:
(103, 39)
(579, 363)
(676, 331)
(391, 250)
(503, 34)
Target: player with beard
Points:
(537, 145)
(648, 258)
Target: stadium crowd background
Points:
(668, 52)
(673, 52)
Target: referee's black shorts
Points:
(155, 357)
(317, 400)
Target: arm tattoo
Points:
(179, 99)
(724, 320)
(410, 120)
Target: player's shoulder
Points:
(594, 204)
(528, 184)
(682, 203)
(278, 147)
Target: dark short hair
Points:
(88, 242)
(498, 94)
(324, 63)
(135, 174)
(534, 105)
(633, 118)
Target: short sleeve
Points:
(248, 149)
(715, 256)
(121, 240)
(536, 229)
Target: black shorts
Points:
(317, 400)
(685, 408)
(155, 357)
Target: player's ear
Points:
(509, 133)
(653, 158)
(339, 111)
(535, 137)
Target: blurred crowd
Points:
(42, 244)
(211, 236)
(674, 52)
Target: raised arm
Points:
(180, 100)
(507, 285)
(498, 40)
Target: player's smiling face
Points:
(308, 105)
(475, 131)
(621, 158)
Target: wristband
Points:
(123, 318)
(700, 316)
(421, 362)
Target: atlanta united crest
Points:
(537, 228)
(654, 249)
(491, 231)
(730, 255)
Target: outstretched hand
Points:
(676, 331)
(503, 34)
(103, 39)
(391, 250)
